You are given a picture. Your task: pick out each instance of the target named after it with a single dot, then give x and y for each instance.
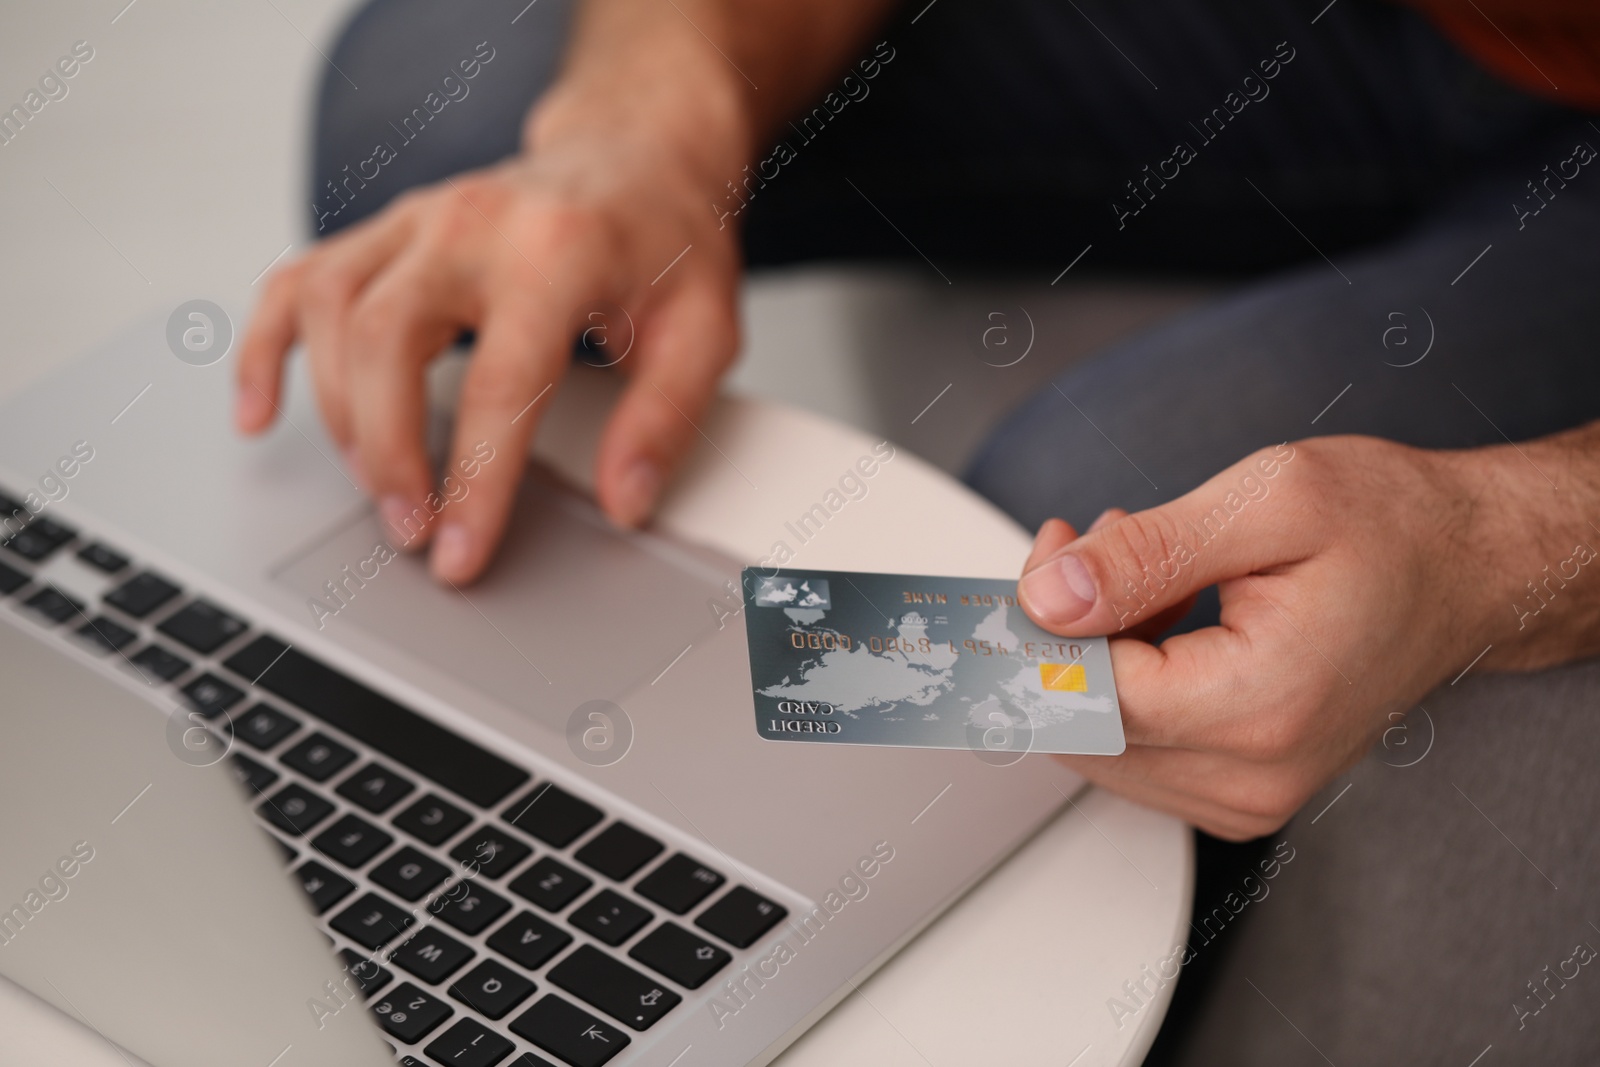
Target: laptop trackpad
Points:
(571, 610)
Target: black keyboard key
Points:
(263, 727)
(323, 886)
(408, 1014)
(409, 873)
(432, 955)
(41, 537)
(609, 917)
(202, 626)
(679, 884)
(470, 1044)
(432, 820)
(569, 1032)
(368, 974)
(372, 922)
(614, 988)
(352, 841)
(141, 594)
(102, 558)
(154, 661)
(289, 853)
(375, 788)
(618, 851)
(491, 989)
(318, 757)
(11, 579)
(398, 732)
(251, 774)
(680, 955)
(55, 605)
(469, 907)
(550, 884)
(741, 916)
(490, 852)
(106, 635)
(553, 815)
(294, 809)
(211, 696)
(529, 941)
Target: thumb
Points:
(1133, 569)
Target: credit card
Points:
(846, 658)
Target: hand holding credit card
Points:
(839, 657)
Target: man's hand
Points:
(1355, 575)
(517, 252)
(655, 114)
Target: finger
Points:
(272, 330)
(1149, 561)
(518, 362)
(1192, 692)
(1213, 818)
(410, 312)
(1056, 534)
(684, 348)
(1053, 536)
(1191, 810)
(1152, 628)
(1204, 788)
(1249, 691)
(336, 278)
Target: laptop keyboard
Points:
(481, 913)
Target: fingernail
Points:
(636, 496)
(249, 407)
(452, 552)
(1101, 521)
(406, 524)
(1060, 591)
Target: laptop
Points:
(271, 796)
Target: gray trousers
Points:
(1387, 200)
(1443, 903)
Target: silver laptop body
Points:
(582, 715)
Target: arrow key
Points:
(614, 988)
(570, 1033)
(681, 956)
